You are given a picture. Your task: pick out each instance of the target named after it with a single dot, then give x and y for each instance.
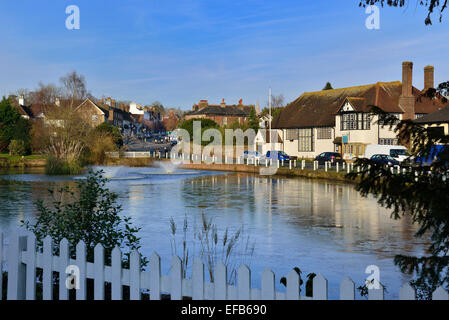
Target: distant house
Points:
(93, 113)
(340, 119)
(222, 114)
(438, 119)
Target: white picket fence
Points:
(23, 258)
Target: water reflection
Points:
(322, 227)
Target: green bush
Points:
(56, 166)
(88, 212)
(18, 148)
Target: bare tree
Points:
(74, 87)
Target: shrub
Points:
(55, 166)
(88, 212)
(18, 148)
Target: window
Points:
(305, 140)
(355, 121)
(291, 134)
(324, 133)
(388, 141)
(94, 117)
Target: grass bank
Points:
(8, 161)
(286, 172)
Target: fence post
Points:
(303, 164)
(16, 269)
(325, 166)
(81, 264)
(155, 277)
(198, 280)
(176, 279)
(221, 282)
(336, 167)
(30, 268)
(406, 292)
(98, 272)
(319, 288)
(116, 274)
(376, 294)
(440, 294)
(290, 164)
(64, 261)
(268, 288)
(47, 273)
(134, 275)
(292, 285)
(244, 283)
(347, 289)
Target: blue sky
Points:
(179, 52)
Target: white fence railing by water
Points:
(23, 259)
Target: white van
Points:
(399, 153)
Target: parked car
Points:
(399, 153)
(434, 156)
(384, 159)
(277, 155)
(332, 157)
(251, 155)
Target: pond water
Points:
(320, 226)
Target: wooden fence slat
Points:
(176, 279)
(292, 292)
(221, 282)
(81, 264)
(99, 272)
(16, 269)
(1, 264)
(376, 294)
(134, 268)
(406, 292)
(155, 277)
(347, 289)
(31, 267)
(64, 261)
(268, 285)
(319, 287)
(440, 294)
(198, 280)
(244, 283)
(47, 272)
(116, 274)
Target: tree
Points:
(205, 124)
(277, 105)
(430, 5)
(90, 213)
(253, 121)
(420, 193)
(111, 131)
(74, 87)
(328, 86)
(12, 126)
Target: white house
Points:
(341, 120)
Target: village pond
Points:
(319, 226)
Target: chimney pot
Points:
(21, 100)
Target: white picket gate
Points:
(23, 258)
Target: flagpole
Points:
(269, 107)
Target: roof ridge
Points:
(353, 87)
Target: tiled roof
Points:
(315, 109)
(221, 111)
(439, 116)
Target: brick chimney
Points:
(223, 103)
(203, 104)
(407, 100)
(428, 77)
